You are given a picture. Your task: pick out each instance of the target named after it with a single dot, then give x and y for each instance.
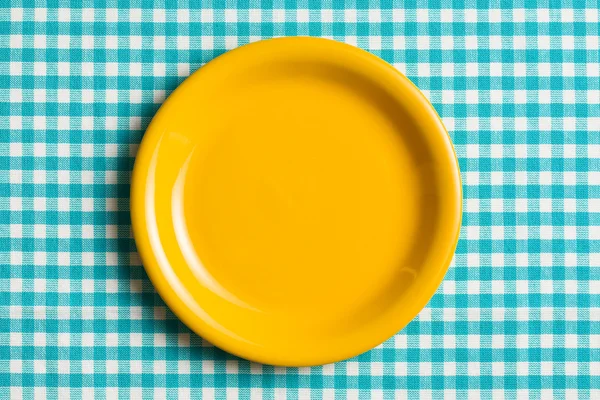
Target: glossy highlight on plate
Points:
(296, 201)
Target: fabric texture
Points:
(517, 84)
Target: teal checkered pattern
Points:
(518, 86)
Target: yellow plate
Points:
(296, 201)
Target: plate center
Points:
(296, 206)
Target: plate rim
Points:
(170, 295)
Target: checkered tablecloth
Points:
(518, 87)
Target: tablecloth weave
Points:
(517, 84)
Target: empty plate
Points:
(296, 201)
